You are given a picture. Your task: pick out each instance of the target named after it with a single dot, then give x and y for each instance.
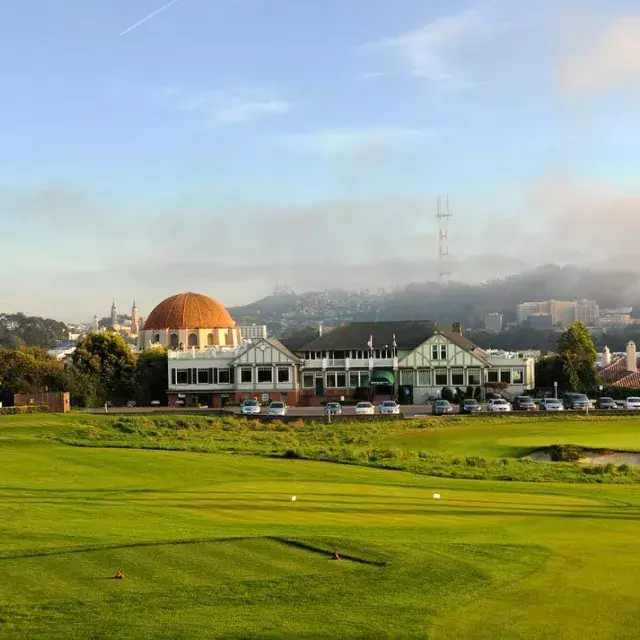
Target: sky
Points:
(222, 146)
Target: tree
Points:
(29, 370)
(18, 329)
(106, 363)
(550, 369)
(152, 379)
(579, 356)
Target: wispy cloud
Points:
(372, 75)
(218, 108)
(433, 52)
(608, 59)
(365, 144)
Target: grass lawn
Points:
(514, 436)
(211, 545)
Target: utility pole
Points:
(442, 216)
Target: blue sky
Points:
(222, 145)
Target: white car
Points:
(365, 409)
(250, 407)
(633, 404)
(498, 406)
(390, 407)
(277, 409)
(551, 404)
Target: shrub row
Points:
(30, 408)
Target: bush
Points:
(29, 408)
(565, 453)
(447, 394)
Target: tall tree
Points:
(152, 379)
(107, 361)
(18, 329)
(579, 357)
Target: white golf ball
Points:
(293, 498)
(436, 496)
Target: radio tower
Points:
(443, 215)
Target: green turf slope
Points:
(212, 546)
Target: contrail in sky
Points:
(151, 15)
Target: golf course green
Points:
(212, 545)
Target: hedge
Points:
(29, 408)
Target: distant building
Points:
(493, 322)
(562, 312)
(540, 321)
(616, 318)
(253, 331)
(135, 320)
(114, 315)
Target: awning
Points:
(382, 378)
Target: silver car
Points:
(277, 409)
(250, 407)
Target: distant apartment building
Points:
(561, 312)
(493, 322)
(253, 331)
(616, 318)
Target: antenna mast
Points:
(443, 215)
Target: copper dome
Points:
(189, 311)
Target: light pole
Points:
(555, 389)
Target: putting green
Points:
(213, 546)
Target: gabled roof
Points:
(409, 335)
(617, 371)
(272, 342)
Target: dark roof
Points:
(355, 335)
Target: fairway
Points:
(211, 545)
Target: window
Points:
(193, 340)
(423, 378)
(174, 341)
(182, 376)
(246, 375)
(457, 377)
(265, 374)
(474, 377)
(517, 376)
(156, 338)
(210, 339)
(224, 376)
(308, 381)
(354, 379)
(434, 352)
(364, 378)
(284, 374)
(331, 380)
(493, 376)
(505, 376)
(443, 352)
(407, 378)
(204, 376)
(341, 379)
(265, 398)
(442, 379)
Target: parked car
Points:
(365, 409)
(551, 404)
(442, 407)
(250, 407)
(390, 407)
(575, 401)
(277, 409)
(131, 403)
(332, 408)
(606, 404)
(498, 406)
(632, 404)
(494, 396)
(524, 403)
(470, 406)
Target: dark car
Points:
(332, 408)
(470, 406)
(524, 403)
(442, 407)
(575, 402)
(606, 404)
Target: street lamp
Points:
(555, 389)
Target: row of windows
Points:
(226, 376)
(192, 340)
(441, 377)
(510, 376)
(356, 354)
(338, 380)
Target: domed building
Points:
(188, 321)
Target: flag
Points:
(370, 343)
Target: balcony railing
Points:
(349, 363)
(210, 353)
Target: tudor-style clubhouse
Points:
(211, 364)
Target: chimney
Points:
(456, 327)
(606, 357)
(632, 357)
